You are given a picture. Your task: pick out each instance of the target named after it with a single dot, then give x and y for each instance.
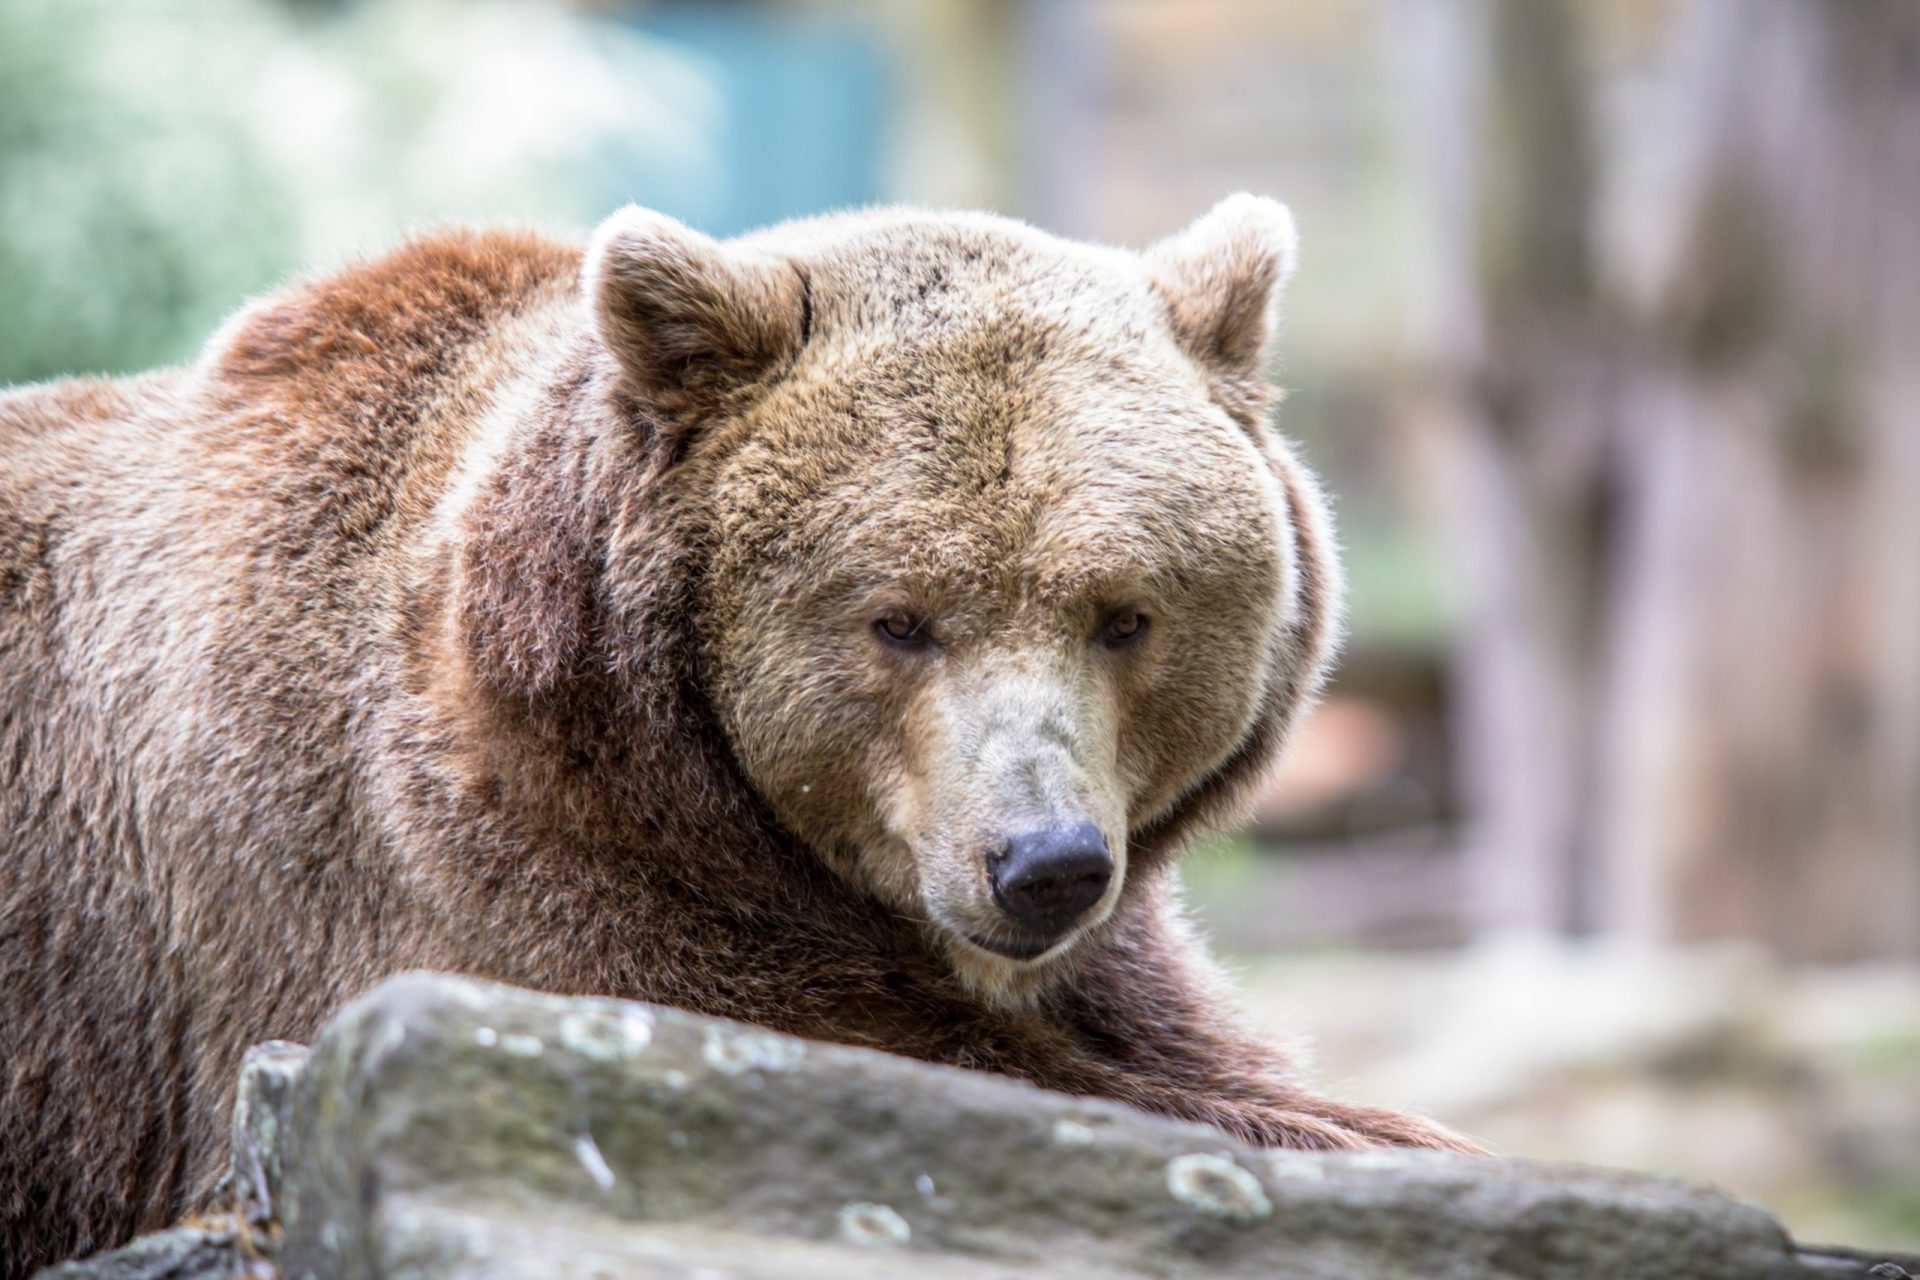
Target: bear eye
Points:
(902, 630)
(1123, 627)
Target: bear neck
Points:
(574, 618)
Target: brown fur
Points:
(441, 618)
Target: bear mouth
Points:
(1014, 950)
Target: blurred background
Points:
(1606, 844)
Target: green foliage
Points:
(136, 204)
(162, 159)
(1397, 587)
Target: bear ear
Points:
(1222, 279)
(689, 319)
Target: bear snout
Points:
(1047, 878)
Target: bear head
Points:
(1008, 583)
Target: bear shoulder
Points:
(398, 315)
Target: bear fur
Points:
(503, 607)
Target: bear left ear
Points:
(1222, 278)
(689, 319)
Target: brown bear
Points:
(839, 628)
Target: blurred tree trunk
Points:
(1685, 469)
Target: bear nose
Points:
(1045, 879)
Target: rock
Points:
(267, 1077)
(447, 1128)
(667, 1141)
(184, 1253)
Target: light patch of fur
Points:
(505, 360)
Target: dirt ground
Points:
(1799, 1090)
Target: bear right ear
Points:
(689, 319)
(1222, 278)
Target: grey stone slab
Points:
(184, 1253)
(444, 1127)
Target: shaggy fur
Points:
(497, 608)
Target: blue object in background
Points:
(804, 106)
